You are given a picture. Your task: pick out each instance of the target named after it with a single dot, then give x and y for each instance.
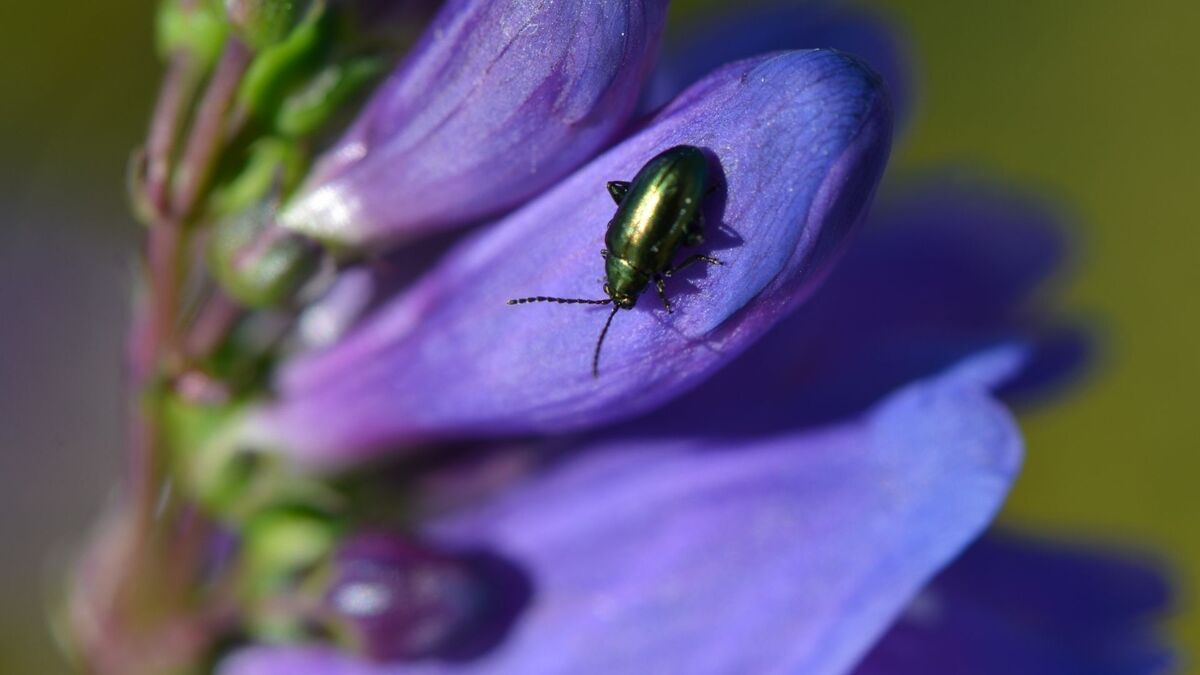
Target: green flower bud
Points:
(272, 168)
(284, 544)
(191, 27)
(259, 263)
(282, 549)
(307, 109)
(262, 23)
(235, 482)
(283, 65)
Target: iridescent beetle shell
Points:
(657, 212)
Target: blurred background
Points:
(1091, 104)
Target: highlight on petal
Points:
(496, 102)
(799, 141)
(1012, 604)
(673, 555)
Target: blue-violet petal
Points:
(1016, 605)
(496, 102)
(799, 140)
(674, 555)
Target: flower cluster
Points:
(380, 466)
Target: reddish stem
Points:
(209, 128)
(179, 87)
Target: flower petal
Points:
(496, 102)
(801, 138)
(944, 269)
(1012, 605)
(677, 555)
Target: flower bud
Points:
(391, 598)
(313, 103)
(283, 544)
(283, 65)
(195, 28)
(259, 263)
(282, 547)
(262, 23)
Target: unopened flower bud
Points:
(259, 263)
(195, 28)
(262, 23)
(391, 598)
(283, 544)
(282, 65)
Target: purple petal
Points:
(941, 271)
(1010, 605)
(786, 553)
(498, 101)
(694, 49)
(801, 138)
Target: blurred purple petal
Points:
(498, 101)
(394, 598)
(731, 35)
(801, 139)
(673, 556)
(1011, 605)
(946, 269)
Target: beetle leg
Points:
(695, 231)
(689, 261)
(662, 293)
(617, 190)
(604, 253)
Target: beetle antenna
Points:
(600, 341)
(561, 301)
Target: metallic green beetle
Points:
(657, 212)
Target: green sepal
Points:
(285, 556)
(281, 66)
(188, 424)
(197, 28)
(257, 262)
(311, 106)
(283, 545)
(272, 165)
(232, 481)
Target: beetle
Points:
(657, 213)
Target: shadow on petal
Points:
(1012, 604)
(943, 269)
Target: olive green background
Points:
(1093, 103)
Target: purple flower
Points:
(1011, 604)
(800, 138)
(498, 101)
(765, 480)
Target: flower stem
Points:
(139, 611)
(179, 88)
(209, 129)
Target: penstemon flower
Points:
(354, 456)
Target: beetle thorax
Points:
(625, 282)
